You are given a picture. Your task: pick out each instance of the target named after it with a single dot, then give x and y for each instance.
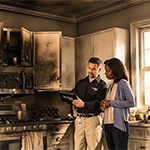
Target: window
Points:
(145, 65)
(140, 62)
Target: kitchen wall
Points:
(121, 19)
(33, 23)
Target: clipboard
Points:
(67, 97)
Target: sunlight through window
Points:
(147, 48)
(147, 88)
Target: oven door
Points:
(10, 142)
(14, 141)
(16, 79)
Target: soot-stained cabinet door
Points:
(1, 35)
(26, 53)
(47, 60)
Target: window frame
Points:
(137, 76)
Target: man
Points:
(90, 91)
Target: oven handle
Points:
(23, 81)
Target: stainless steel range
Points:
(15, 126)
(12, 129)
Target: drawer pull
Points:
(58, 139)
(58, 149)
(58, 129)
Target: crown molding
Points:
(36, 13)
(79, 18)
(107, 9)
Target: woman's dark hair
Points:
(118, 69)
(95, 60)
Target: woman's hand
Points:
(102, 104)
(78, 103)
(105, 103)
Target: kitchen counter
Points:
(30, 122)
(139, 123)
(139, 137)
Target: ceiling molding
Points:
(108, 9)
(36, 13)
(79, 18)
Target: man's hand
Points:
(78, 103)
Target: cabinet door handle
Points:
(57, 139)
(58, 129)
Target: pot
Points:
(24, 115)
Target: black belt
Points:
(87, 115)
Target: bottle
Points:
(148, 113)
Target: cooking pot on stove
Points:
(24, 115)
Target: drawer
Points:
(58, 147)
(139, 133)
(57, 139)
(57, 128)
(136, 133)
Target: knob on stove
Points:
(14, 128)
(8, 129)
(24, 127)
(40, 127)
(34, 127)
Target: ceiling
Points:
(73, 10)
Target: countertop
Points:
(24, 123)
(140, 123)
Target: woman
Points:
(118, 100)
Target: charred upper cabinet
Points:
(26, 53)
(47, 60)
(16, 61)
(16, 47)
(1, 36)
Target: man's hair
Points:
(118, 69)
(95, 60)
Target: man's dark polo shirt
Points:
(91, 93)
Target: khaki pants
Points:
(89, 133)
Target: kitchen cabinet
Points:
(139, 137)
(52, 56)
(54, 63)
(1, 36)
(60, 137)
(16, 61)
(68, 63)
(84, 50)
(16, 47)
(47, 47)
(104, 44)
